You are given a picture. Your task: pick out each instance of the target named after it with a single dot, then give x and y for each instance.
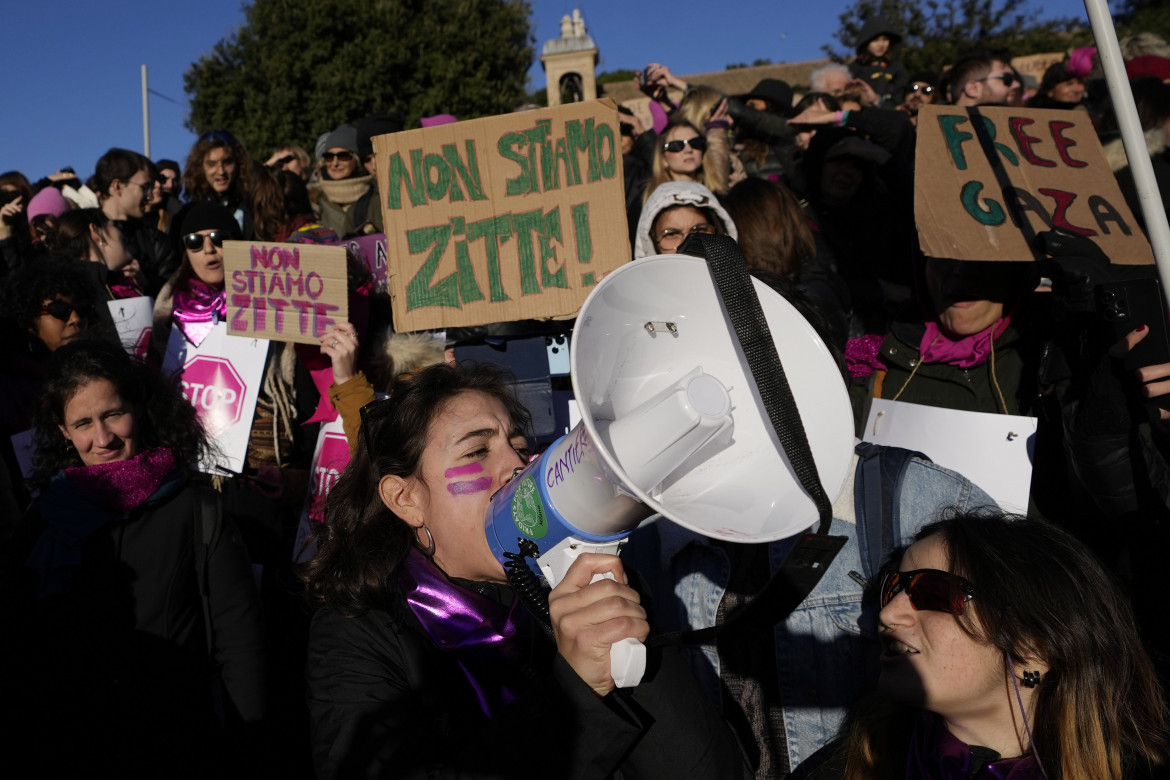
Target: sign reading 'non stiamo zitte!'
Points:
(504, 218)
(987, 180)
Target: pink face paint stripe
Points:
(473, 486)
(460, 471)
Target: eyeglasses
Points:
(63, 310)
(1007, 78)
(146, 186)
(928, 589)
(698, 143)
(277, 165)
(672, 237)
(341, 156)
(195, 241)
(925, 89)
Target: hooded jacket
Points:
(676, 193)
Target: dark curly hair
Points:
(195, 183)
(163, 417)
(28, 287)
(361, 543)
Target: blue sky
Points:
(73, 86)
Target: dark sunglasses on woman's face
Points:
(341, 156)
(925, 89)
(698, 143)
(928, 589)
(195, 241)
(63, 310)
(277, 165)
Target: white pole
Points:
(1132, 136)
(145, 116)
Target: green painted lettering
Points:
(524, 225)
(536, 141)
(603, 141)
(437, 183)
(548, 252)
(467, 172)
(415, 185)
(420, 292)
(583, 239)
(954, 138)
(520, 184)
(492, 230)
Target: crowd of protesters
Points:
(164, 626)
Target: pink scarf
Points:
(198, 309)
(122, 486)
(967, 352)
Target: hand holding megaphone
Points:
(594, 610)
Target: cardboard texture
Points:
(503, 218)
(1032, 67)
(284, 292)
(989, 179)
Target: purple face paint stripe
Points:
(474, 486)
(460, 471)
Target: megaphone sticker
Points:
(527, 511)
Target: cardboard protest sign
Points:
(284, 292)
(133, 319)
(1031, 68)
(371, 250)
(329, 459)
(504, 218)
(988, 179)
(221, 378)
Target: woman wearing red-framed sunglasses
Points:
(1007, 652)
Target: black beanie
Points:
(207, 215)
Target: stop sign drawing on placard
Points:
(215, 389)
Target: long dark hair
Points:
(1099, 710)
(162, 416)
(361, 542)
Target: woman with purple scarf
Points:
(195, 300)
(145, 649)
(1008, 653)
(422, 660)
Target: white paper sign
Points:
(992, 450)
(133, 317)
(221, 378)
(329, 460)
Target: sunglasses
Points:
(1007, 78)
(195, 241)
(929, 589)
(341, 156)
(276, 165)
(927, 89)
(63, 310)
(222, 136)
(698, 143)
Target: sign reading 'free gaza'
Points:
(504, 218)
(987, 180)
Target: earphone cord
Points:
(1024, 715)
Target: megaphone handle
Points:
(627, 657)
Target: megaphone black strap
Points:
(751, 329)
(810, 556)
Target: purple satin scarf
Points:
(477, 632)
(967, 352)
(937, 754)
(198, 309)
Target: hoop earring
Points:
(1031, 679)
(429, 549)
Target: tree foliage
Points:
(936, 32)
(299, 68)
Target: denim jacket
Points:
(826, 649)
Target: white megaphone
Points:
(672, 423)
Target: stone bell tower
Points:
(569, 63)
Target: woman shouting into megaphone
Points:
(423, 662)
